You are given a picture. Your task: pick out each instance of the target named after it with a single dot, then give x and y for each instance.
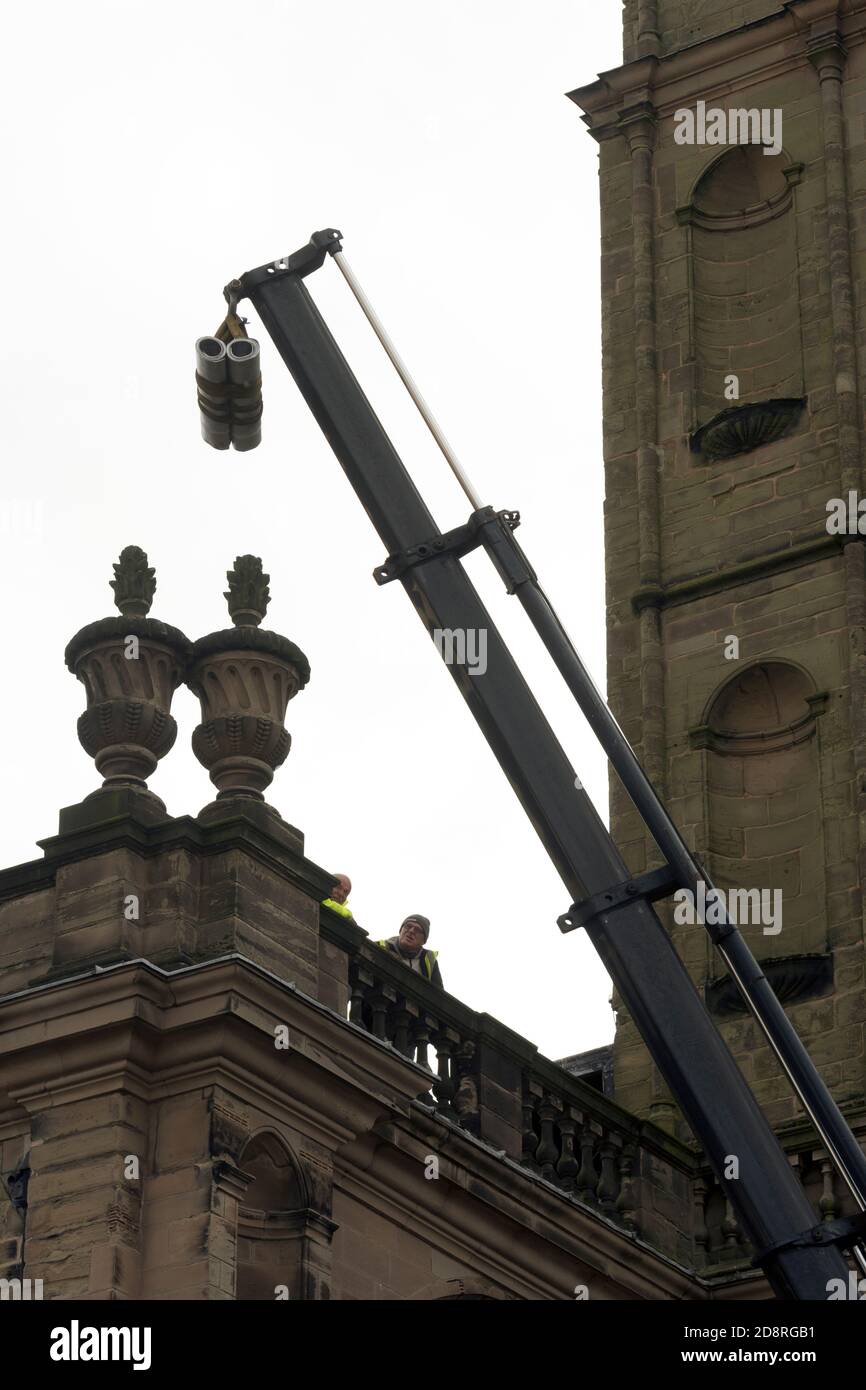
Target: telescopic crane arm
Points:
(614, 908)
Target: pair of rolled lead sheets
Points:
(229, 383)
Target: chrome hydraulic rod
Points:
(405, 376)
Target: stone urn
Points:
(130, 667)
(244, 678)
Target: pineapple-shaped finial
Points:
(248, 594)
(134, 583)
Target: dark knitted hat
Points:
(423, 922)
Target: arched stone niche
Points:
(280, 1239)
(765, 823)
(745, 307)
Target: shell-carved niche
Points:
(745, 304)
(765, 821)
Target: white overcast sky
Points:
(150, 153)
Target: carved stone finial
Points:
(130, 666)
(134, 583)
(248, 595)
(245, 678)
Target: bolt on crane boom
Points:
(798, 1257)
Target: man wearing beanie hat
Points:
(410, 949)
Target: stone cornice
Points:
(711, 582)
(153, 838)
(496, 1183)
(764, 47)
(149, 1030)
(797, 1135)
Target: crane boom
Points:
(614, 907)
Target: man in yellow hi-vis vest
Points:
(409, 948)
(339, 893)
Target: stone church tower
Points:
(733, 281)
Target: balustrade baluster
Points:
(356, 1003)
(547, 1152)
(362, 983)
(587, 1178)
(828, 1204)
(625, 1203)
(446, 1040)
(530, 1138)
(608, 1187)
(701, 1191)
(401, 1018)
(730, 1228)
(421, 1038)
(568, 1165)
(379, 1000)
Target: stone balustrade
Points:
(718, 1238)
(495, 1084)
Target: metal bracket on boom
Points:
(651, 886)
(457, 543)
(843, 1233)
(309, 258)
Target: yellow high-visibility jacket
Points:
(343, 909)
(429, 964)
